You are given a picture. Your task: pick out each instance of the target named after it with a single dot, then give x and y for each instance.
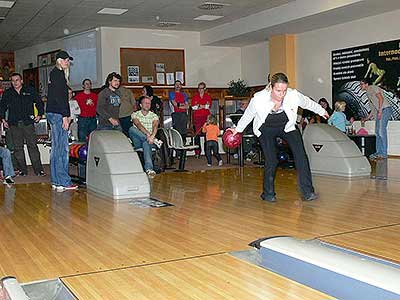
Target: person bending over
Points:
(274, 112)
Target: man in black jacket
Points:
(18, 100)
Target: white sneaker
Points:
(54, 187)
(71, 187)
(208, 165)
(150, 173)
(220, 163)
(8, 180)
(158, 143)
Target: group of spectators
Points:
(381, 112)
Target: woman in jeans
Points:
(58, 116)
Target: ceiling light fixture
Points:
(112, 11)
(167, 24)
(212, 5)
(207, 18)
(7, 4)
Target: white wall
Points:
(314, 56)
(314, 49)
(24, 57)
(214, 65)
(255, 63)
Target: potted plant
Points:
(238, 88)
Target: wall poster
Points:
(380, 62)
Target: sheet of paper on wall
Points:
(133, 74)
(170, 78)
(160, 79)
(179, 76)
(160, 67)
(147, 79)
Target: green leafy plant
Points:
(238, 88)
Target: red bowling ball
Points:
(231, 141)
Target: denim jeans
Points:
(5, 156)
(85, 126)
(139, 140)
(59, 155)
(212, 148)
(381, 131)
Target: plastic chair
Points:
(179, 146)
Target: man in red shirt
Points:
(201, 104)
(179, 102)
(87, 101)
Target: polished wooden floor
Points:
(104, 250)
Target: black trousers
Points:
(25, 133)
(269, 147)
(212, 148)
(179, 122)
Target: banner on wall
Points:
(380, 62)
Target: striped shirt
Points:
(145, 120)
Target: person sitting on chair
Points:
(143, 132)
(8, 169)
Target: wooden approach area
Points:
(104, 250)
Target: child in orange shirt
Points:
(211, 129)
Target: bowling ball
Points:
(76, 150)
(83, 152)
(71, 150)
(231, 141)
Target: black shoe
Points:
(41, 173)
(269, 199)
(22, 174)
(312, 196)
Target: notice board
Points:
(141, 66)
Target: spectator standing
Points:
(58, 116)
(87, 100)
(127, 107)
(179, 101)
(201, 104)
(211, 129)
(382, 112)
(19, 101)
(108, 104)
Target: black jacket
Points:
(20, 105)
(57, 98)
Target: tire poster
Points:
(380, 62)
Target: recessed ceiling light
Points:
(208, 18)
(112, 11)
(7, 4)
(167, 24)
(212, 5)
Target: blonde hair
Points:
(66, 70)
(340, 105)
(211, 119)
